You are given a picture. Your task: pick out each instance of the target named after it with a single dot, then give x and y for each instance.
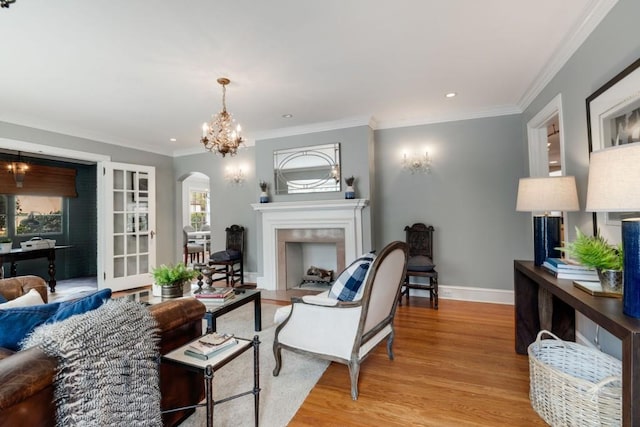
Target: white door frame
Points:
(537, 139)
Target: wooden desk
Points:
(565, 299)
(20, 255)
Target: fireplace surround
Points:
(309, 218)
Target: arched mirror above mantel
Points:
(309, 169)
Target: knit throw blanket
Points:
(107, 366)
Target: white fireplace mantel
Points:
(314, 214)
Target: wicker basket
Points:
(574, 385)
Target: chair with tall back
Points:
(346, 331)
(419, 237)
(230, 262)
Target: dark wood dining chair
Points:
(419, 237)
(230, 262)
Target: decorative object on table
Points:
(349, 192)
(219, 136)
(574, 385)
(595, 289)
(613, 187)
(596, 252)
(547, 194)
(215, 295)
(5, 244)
(210, 345)
(172, 279)
(37, 243)
(613, 194)
(417, 163)
(264, 196)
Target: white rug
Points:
(280, 397)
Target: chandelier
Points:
(222, 135)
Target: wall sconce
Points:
(18, 169)
(417, 163)
(234, 176)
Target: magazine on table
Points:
(210, 345)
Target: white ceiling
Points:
(139, 72)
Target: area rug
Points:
(280, 397)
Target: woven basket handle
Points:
(544, 331)
(596, 387)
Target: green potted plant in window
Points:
(5, 245)
(173, 279)
(596, 252)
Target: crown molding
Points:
(593, 15)
(505, 110)
(315, 127)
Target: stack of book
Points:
(565, 269)
(210, 345)
(215, 295)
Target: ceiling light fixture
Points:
(219, 136)
(287, 116)
(172, 139)
(450, 95)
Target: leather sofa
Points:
(26, 377)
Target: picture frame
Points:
(613, 118)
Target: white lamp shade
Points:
(549, 193)
(614, 179)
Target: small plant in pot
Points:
(171, 278)
(350, 192)
(596, 252)
(264, 196)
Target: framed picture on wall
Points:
(613, 118)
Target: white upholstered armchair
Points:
(347, 331)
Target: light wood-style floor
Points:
(453, 367)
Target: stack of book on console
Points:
(567, 269)
(210, 345)
(215, 295)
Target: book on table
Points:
(214, 293)
(595, 289)
(559, 264)
(210, 345)
(562, 269)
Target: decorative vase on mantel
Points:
(264, 196)
(350, 192)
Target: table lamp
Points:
(614, 186)
(547, 194)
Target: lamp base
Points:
(546, 238)
(631, 280)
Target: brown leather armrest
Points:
(14, 287)
(176, 313)
(24, 374)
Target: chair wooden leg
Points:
(434, 293)
(390, 344)
(354, 373)
(277, 350)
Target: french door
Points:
(127, 222)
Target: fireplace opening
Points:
(301, 249)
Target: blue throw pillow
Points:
(80, 305)
(2, 299)
(19, 322)
(348, 285)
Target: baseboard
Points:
(463, 293)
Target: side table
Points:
(210, 366)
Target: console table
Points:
(20, 255)
(541, 298)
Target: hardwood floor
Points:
(453, 367)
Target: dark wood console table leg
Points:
(631, 380)
(208, 391)
(257, 313)
(52, 270)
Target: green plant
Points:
(5, 240)
(263, 185)
(167, 275)
(595, 252)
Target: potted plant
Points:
(264, 196)
(596, 252)
(173, 279)
(350, 193)
(5, 245)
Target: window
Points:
(199, 208)
(38, 215)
